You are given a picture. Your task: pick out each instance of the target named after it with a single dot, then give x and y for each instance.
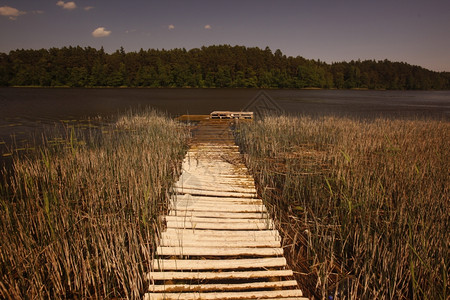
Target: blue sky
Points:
(414, 31)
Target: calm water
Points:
(26, 112)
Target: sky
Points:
(412, 31)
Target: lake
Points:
(26, 112)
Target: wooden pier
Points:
(219, 241)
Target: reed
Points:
(363, 205)
(78, 220)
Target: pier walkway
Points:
(219, 241)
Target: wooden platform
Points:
(219, 242)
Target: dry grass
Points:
(364, 205)
(79, 219)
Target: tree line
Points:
(220, 66)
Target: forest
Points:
(221, 66)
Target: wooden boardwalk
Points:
(219, 242)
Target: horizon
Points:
(414, 32)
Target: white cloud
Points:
(67, 5)
(100, 32)
(11, 12)
(171, 26)
(207, 26)
(88, 8)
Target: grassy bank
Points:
(78, 219)
(363, 205)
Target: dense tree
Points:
(213, 66)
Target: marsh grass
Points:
(78, 219)
(363, 205)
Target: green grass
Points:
(78, 219)
(363, 205)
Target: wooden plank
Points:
(223, 233)
(221, 287)
(191, 202)
(236, 186)
(213, 161)
(229, 215)
(217, 220)
(204, 168)
(234, 176)
(218, 275)
(213, 181)
(230, 200)
(215, 238)
(222, 264)
(214, 193)
(214, 187)
(214, 152)
(200, 174)
(214, 146)
(222, 208)
(212, 178)
(215, 206)
(225, 295)
(255, 202)
(208, 241)
(214, 243)
(218, 201)
(228, 235)
(220, 226)
(211, 251)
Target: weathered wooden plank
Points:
(256, 202)
(214, 243)
(214, 193)
(229, 215)
(231, 200)
(225, 295)
(222, 208)
(221, 287)
(218, 275)
(220, 226)
(215, 161)
(214, 146)
(215, 181)
(216, 220)
(214, 187)
(208, 251)
(210, 241)
(222, 264)
(222, 233)
(223, 238)
(220, 171)
(234, 176)
(217, 158)
(239, 182)
(218, 201)
(217, 207)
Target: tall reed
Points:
(363, 205)
(79, 219)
